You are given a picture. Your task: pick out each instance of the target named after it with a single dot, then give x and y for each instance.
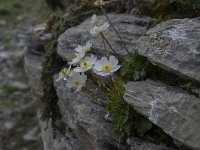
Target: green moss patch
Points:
(125, 120)
(169, 9)
(53, 63)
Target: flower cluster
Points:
(98, 29)
(99, 3)
(75, 76)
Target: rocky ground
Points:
(18, 123)
(169, 97)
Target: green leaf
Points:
(143, 126)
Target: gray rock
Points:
(130, 28)
(31, 135)
(172, 109)
(139, 144)
(65, 141)
(37, 38)
(33, 69)
(174, 45)
(86, 119)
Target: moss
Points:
(53, 62)
(9, 89)
(55, 4)
(4, 11)
(169, 9)
(27, 113)
(9, 103)
(126, 121)
(134, 68)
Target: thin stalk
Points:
(102, 86)
(94, 97)
(114, 29)
(104, 44)
(115, 88)
(109, 44)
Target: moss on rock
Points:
(170, 9)
(53, 62)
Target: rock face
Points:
(85, 120)
(174, 110)
(138, 144)
(174, 45)
(130, 28)
(33, 68)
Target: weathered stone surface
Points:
(174, 45)
(33, 68)
(62, 141)
(139, 144)
(130, 28)
(86, 119)
(172, 109)
(37, 38)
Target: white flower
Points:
(64, 73)
(94, 19)
(86, 64)
(80, 53)
(106, 67)
(77, 59)
(77, 81)
(99, 2)
(95, 31)
(83, 49)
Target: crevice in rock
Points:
(158, 74)
(53, 62)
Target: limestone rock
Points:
(65, 141)
(139, 144)
(174, 45)
(130, 28)
(172, 109)
(33, 69)
(86, 119)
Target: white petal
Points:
(113, 60)
(92, 59)
(104, 27)
(79, 69)
(88, 45)
(115, 68)
(94, 19)
(104, 73)
(78, 49)
(78, 58)
(59, 78)
(77, 90)
(98, 66)
(69, 83)
(94, 31)
(104, 60)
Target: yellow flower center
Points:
(63, 72)
(106, 67)
(77, 83)
(85, 65)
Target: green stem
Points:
(120, 38)
(104, 44)
(94, 97)
(109, 44)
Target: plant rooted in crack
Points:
(126, 121)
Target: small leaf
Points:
(143, 126)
